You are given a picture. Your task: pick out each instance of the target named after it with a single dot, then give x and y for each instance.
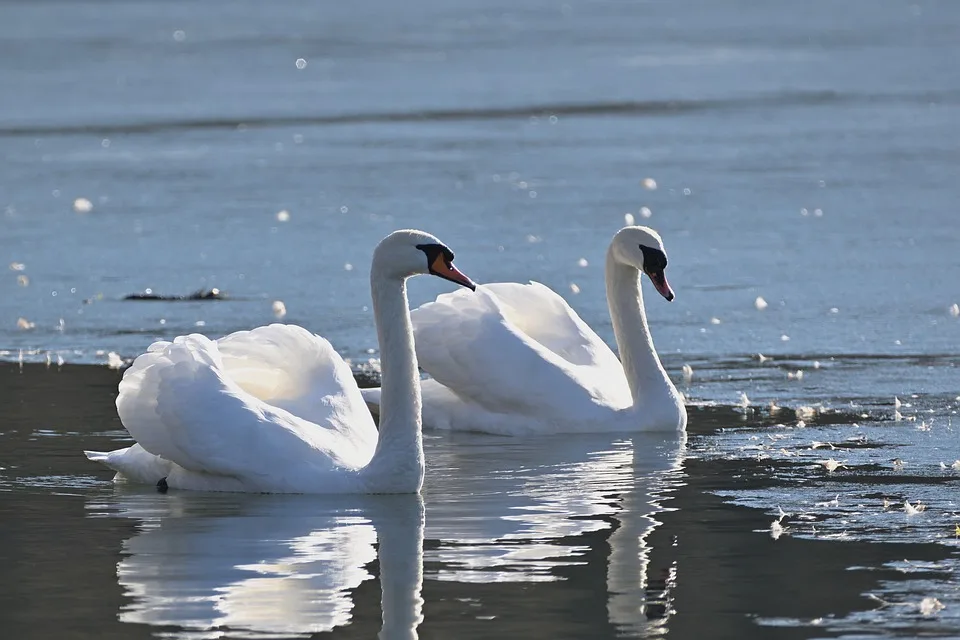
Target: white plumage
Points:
(276, 409)
(516, 359)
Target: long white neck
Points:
(398, 461)
(400, 556)
(641, 365)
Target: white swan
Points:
(276, 409)
(515, 359)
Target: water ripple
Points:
(625, 108)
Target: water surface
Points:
(568, 537)
(804, 153)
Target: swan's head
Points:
(641, 247)
(409, 252)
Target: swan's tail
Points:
(133, 464)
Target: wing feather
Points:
(514, 348)
(227, 408)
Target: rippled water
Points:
(804, 153)
(561, 537)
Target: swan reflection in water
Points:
(267, 565)
(515, 510)
(500, 510)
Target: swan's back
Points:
(514, 348)
(292, 369)
(544, 316)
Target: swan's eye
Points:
(653, 259)
(440, 263)
(436, 252)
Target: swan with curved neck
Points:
(645, 375)
(516, 359)
(276, 409)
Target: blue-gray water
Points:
(805, 153)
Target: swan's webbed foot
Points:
(162, 485)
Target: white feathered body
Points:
(516, 359)
(275, 409)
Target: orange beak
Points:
(660, 282)
(451, 273)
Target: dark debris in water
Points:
(199, 294)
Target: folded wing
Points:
(271, 406)
(515, 348)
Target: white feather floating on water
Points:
(776, 529)
(831, 465)
(911, 509)
(929, 605)
(829, 503)
(760, 303)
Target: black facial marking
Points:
(433, 251)
(653, 259)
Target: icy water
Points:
(575, 537)
(803, 153)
